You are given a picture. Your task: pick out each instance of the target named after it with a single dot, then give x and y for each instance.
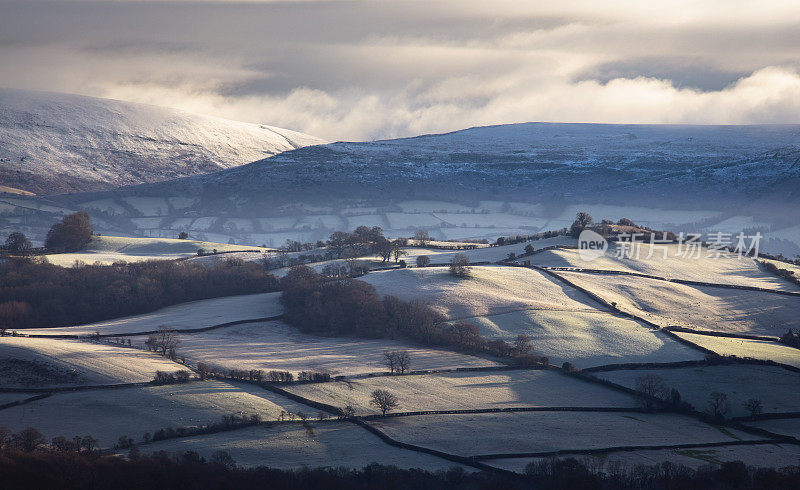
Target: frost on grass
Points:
(777, 388)
(488, 290)
(107, 414)
(331, 444)
(697, 307)
(277, 346)
(49, 361)
(35, 373)
(460, 391)
(191, 315)
(550, 431)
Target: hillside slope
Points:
(57, 143)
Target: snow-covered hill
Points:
(57, 143)
(477, 183)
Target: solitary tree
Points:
(651, 386)
(384, 401)
(422, 236)
(423, 261)
(18, 244)
(403, 361)
(718, 405)
(754, 406)
(183, 235)
(390, 360)
(459, 265)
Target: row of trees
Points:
(30, 439)
(718, 406)
(35, 294)
(182, 470)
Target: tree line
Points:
(69, 470)
(37, 294)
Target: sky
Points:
(362, 70)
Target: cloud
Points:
(364, 70)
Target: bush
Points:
(459, 265)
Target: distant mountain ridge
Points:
(54, 143)
(532, 162)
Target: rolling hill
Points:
(56, 143)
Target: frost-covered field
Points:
(460, 391)
(195, 314)
(107, 250)
(501, 433)
(332, 444)
(95, 363)
(757, 349)
(590, 338)
(786, 427)
(277, 346)
(760, 455)
(699, 307)
(778, 388)
(723, 270)
(110, 413)
(489, 290)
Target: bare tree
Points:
(390, 360)
(403, 361)
(651, 386)
(397, 249)
(384, 401)
(459, 265)
(422, 236)
(718, 405)
(166, 340)
(754, 406)
(423, 261)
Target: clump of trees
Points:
(384, 401)
(582, 221)
(71, 234)
(35, 294)
(398, 361)
(423, 261)
(165, 341)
